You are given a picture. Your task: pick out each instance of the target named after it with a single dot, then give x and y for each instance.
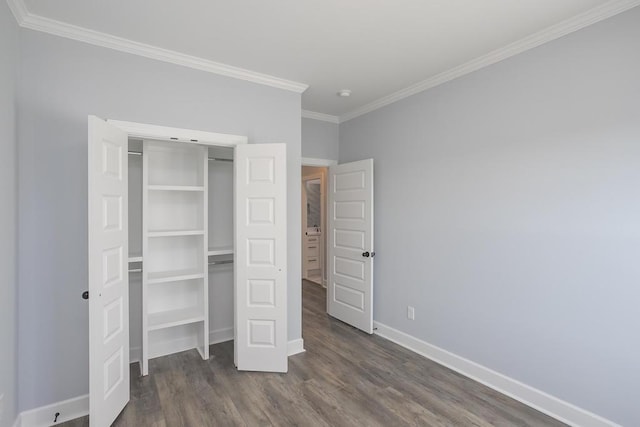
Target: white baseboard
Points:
(539, 400)
(43, 416)
(295, 347)
(220, 335)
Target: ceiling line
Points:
(35, 22)
(320, 116)
(548, 34)
(39, 23)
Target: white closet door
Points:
(350, 288)
(108, 276)
(261, 257)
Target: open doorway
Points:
(344, 238)
(314, 224)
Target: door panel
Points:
(261, 257)
(108, 278)
(350, 290)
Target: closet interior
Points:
(181, 248)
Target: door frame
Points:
(316, 162)
(305, 226)
(175, 135)
(178, 135)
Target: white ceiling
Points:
(373, 47)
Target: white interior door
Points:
(260, 264)
(108, 276)
(351, 250)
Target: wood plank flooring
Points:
(345, 378)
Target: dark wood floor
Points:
(346, 378)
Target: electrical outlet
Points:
(411, 313)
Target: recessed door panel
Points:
(261, 252)
(262, 333)
(260, 170)
(350, 297)
(350, 181)
(350, 210)
(112, 213)
(348, 239)
(113, 319)
(260, 211)
(113, 372)
(262, 293)
(350, 268)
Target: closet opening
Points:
(187, 246)
(177, 305)
(345, 236)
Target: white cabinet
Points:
(312, 262)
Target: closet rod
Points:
(138, 153)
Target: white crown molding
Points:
(18, 9)
(39, 23)
(537, 399)
(320, 116)
(561, 29)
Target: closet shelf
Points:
(222, 250)
(173, 233)
(175, 188)
(135, 257)
(174, 276)
(168, 319)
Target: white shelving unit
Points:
(174, 246)
(225, 250)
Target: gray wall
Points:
(319, 139)
(62, 82)
(519, 235)
(8, 218)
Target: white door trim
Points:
(323, 222)
(310, 161)
(189, 136)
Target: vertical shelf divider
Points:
(144, 363)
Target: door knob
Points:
(365, 254)
(85, 295)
